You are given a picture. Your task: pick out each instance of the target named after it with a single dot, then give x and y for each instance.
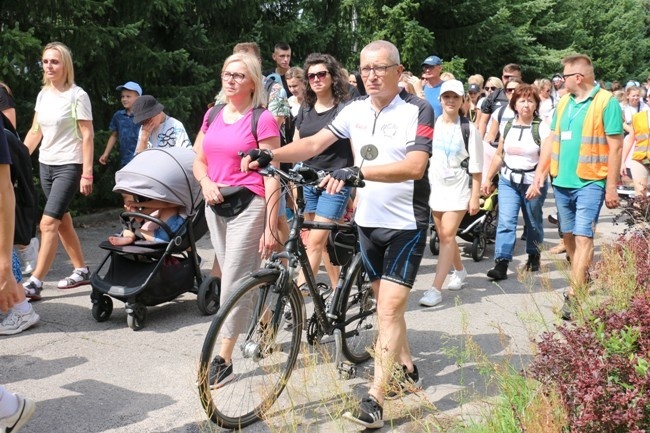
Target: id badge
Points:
(565, 135)
(447, 174)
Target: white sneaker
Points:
(457, 279)
(431, 297)
(15, 422)
(16, 322)
(28, 256)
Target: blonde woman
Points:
(240, 241)
(453, 195)
(63, 126)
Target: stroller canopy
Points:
(162, 174)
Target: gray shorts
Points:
(59, 183)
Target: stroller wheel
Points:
(103, 308)
(434, 242)
(478, 247)
(137, 314)
(208, 296)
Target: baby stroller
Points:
(146, 273)
(479, 229)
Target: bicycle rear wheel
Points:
(262, 359)
(361, 311)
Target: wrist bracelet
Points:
(87, 177)
(201, 181)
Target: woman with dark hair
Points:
(325, 94)
(517, 156)
(356, 81)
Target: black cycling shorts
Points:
(392, 255)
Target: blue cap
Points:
(130, 85)
(432, 61)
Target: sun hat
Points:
(454, 86)
(432, 61)
(145, 107)
(130, 85)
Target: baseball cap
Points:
(473, 88)
(631, 83)
(454, 86)
(432, 61)
(130, 85)
(145, 107)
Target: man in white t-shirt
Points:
(157, 128)
(392, 212)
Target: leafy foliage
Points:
(600, 369)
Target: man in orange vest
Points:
(583, 156)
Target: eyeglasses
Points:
(379, 71)
(565, 76)
(227, 76)
(490, 88)
(320, 74)
(510, 89)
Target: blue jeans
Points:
(512, 197)
(578, 209)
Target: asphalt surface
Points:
(104, 377)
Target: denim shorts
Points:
(330, 206)
(15, 267)
(578, 209)
(174, 223)
(60, 183)
(393, 255)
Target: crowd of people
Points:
(441, 144)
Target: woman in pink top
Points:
(240, 241)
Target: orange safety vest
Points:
(642, 135)
(594, 150)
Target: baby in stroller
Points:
(170, 213)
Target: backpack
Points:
(535, 128)
(464, 130)
(22, 178)
(257, 113)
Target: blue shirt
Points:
(127, 133)
(432, 95)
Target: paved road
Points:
(104, 377)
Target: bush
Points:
(600, 369)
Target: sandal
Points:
(78, 278)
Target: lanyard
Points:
(448, 140)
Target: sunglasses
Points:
(510, 89)
(321, 75)
(490, 88)
(565, 76)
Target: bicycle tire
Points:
(360, 309)
(262, 363)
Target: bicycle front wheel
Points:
(360, 310)
(265, 328)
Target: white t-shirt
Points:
(405, 125)
(629, 111)
(170, 133)
(520, 152)
(57, 111)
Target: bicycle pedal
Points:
(347, 370)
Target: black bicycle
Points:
(267, 348)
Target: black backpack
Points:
(464, 130)
(22, 177)
(257, 113)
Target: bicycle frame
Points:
(294, 255)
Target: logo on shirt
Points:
(389, 130)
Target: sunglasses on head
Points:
(321, 75)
